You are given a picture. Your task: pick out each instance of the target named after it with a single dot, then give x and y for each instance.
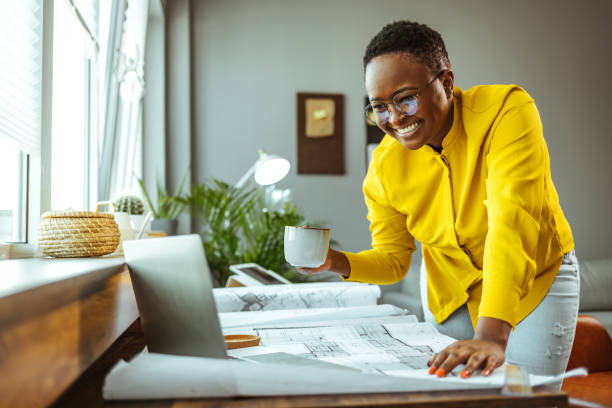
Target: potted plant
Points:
(134, 206)
(242, 224)
(168, 207)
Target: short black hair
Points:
(419, 40)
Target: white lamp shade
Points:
(271, 170)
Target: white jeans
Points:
(542, 341)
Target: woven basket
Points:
(67, 234)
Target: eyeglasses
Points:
(406, 103)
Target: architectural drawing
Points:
(370, 347)
(298, 296)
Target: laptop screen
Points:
(173, 290)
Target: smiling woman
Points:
(405, 103)
(467, 174)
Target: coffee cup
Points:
(306, 246)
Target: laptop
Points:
(173, 290)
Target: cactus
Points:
(130, 204)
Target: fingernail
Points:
(432, 370)
(486, 372)
(441, 373)
(465, 374)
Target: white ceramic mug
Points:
(306, 246)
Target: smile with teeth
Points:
(408, 129)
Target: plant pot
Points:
(137, 223)
(165, 225)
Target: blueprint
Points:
(329, 315)
(371, 345)
(297, 296)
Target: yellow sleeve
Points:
(517, 163)
(392, 245)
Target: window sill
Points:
(37, 284)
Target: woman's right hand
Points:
(335, 261)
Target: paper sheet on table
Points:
(407, 319)
(267, 318)
(536, 380)
(296, 296)
(267, 355)
(371, 345)
(420, 334)
(495, 379)
(158, 376)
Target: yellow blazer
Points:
(485, 210)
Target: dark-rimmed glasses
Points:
(406, 102)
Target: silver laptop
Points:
(173, 290)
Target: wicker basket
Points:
(66, 234)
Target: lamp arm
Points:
(246, 175)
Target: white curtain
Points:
(20, 73)
(121, 156)
(86, 11)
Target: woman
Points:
(467, 174)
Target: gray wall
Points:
(154, 102)
(179, 146)
(251, 57)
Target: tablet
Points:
(253, 274)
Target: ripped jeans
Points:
(542, 341)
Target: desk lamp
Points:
(268, 169)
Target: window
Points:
(120, 160)
(95, 139)
(74, 92)
(60, 111)
(20, 109)
(13, 198)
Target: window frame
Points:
(22, 201)
(19, 209)
(39, 165)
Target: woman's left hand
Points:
(474, 353)
(487, 350)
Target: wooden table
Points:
(390, 400)
(65, 323)
(57, 317)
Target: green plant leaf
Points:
(239, 226)
(168, 206)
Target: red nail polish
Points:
(465, 374)
(441, 373)
(432, 370)
(486, 372)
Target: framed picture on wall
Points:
(320, 133)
